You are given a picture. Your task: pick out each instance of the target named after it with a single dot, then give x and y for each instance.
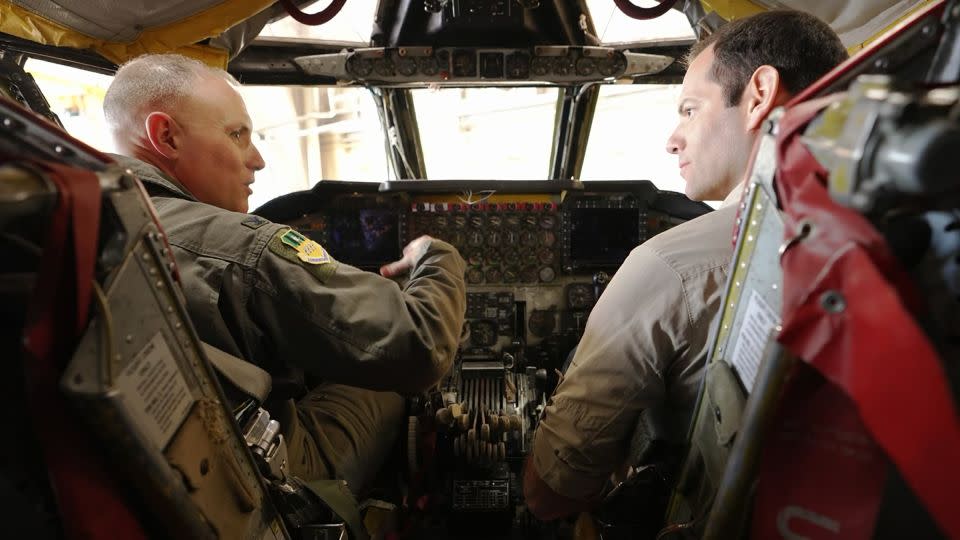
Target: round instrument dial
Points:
(483, 333)
(548, 238)
(406, 66)
(428, 66)
(383, 67)
(579, 296)
(542, 322)
(541, 66)
(360, 67)
(528, 238)
(474, 276)
(475, 238)
(458, 239)
(586, 66)
(545, 255)
(529, 274)
(475, 258)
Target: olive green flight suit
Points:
(363, 336)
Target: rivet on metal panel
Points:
(833, 302)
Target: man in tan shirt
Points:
(645, 343)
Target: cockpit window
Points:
(486, 133)
(306, 134)
(629, 135)
(76, 97)
(352, 25)
(615, 27)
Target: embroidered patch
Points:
(254, 222)
(294, 247)
(308, 251)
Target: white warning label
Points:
(154, 392)
(759, 320)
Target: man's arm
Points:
(542, 501)
(363, 329)
(257, 296)
(617, 371)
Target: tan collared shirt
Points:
(643, 349)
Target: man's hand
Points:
(411, 254)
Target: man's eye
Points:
(235, 135)
(688, 112)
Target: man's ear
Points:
(163, 133)
(763, 93)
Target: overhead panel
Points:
(122, 29)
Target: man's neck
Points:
(734, 196)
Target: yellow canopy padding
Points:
(859, 23)
(732, 9)
(177, 37)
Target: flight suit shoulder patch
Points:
(254, 222)
(297, 248)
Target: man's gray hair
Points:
(152, 82)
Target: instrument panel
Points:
(537, 256)
(399, 66)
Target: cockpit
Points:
(527, 134)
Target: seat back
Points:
(143, 426)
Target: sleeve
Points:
(356, 327)
(633, 332)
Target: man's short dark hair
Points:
(800, 46)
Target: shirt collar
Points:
(734, 196)
(153, 176)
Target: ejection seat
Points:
(829, 404)
(120, 423)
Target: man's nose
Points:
(256, 161)
(674, 143)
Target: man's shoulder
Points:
(210, 231)
(702, 244)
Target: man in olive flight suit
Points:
(262, 292)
